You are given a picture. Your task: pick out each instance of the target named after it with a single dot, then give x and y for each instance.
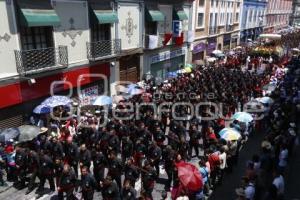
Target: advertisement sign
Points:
(167, 55)
(199, 47)
(177, 28)
(88, 95)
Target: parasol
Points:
(229, 134)
(243, 117)
(103, 101)
(8, 134)
(42, 109)
(56, 100)
(28, 132)
(189, 176)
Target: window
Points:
(216, 19)
(201, 3)
(100, 32)
(238, 4)
(200, 19)
(211, 19)
(211, 3)
(151, 28)
(236, 17)
(36, 37)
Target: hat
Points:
(43, 130)
(266, 145)
(292, 125)
(240, 192)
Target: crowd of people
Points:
(78, 156)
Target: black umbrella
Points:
(9, 133)
(28, 132)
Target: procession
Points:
(149, 100)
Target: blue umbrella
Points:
(136, 91)
(103, 101)
(57, 100)
(132, 86)
(9, 133)
(243, 117)
(171, 75)
(229, 134)
(42, 109)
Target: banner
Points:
(168, 37)
(190, 36)
(177, 28)
(153, 41)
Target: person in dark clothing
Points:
(194, 140)
(168, 157)
(46, 171)
(148, 179)
(115, 168)
(72, 155)
(21, 160)
(87, 183)
(109, 189)
(131, 173)
(127, 148)
(113, 141)
(154, 156)
(100, 162)
(128, 191)
(34, 166)
(57, 149)
(58, 169)
(66, 183)
(85, 157)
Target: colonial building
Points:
(166, 34)
(216, 25)
(278, 15)
(65, 47)
(295, 16)
(253, 19)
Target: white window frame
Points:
(203, 23)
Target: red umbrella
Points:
(189, 176)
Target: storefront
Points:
(212, 44)
(168, 61)
(22, 97)
(226, 41)
(198, 51)
(234, 40)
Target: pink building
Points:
(278, 14)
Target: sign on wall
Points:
(167, 55)
(177, 28)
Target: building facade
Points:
(278, 15)
(65, 47)
(166, 49)
(295, 16)
(216, 25)
(253, 19)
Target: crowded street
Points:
(148, 100)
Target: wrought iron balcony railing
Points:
(213, 30)
(103, 49)
(40, 60)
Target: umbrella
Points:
(118, 98)
(243, 117)
(9, 133)
(189, 176)
(188, 70)
(231, 52)
(296, 49)
(42, 109)
(103, 101)
(189, 65)
(131, 87)
(217, 52)
(121, 88)
(229, 134)
(269, 87)
(28, 132)
(265, 100)
(171, 75)
(56, 100)
(136, 91)
(211, 59)
(270, 36)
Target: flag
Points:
(179, 40)
(168, 37)
(153, 41)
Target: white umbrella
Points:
(103, 101)
(217, 52)
(270, 36)
(211, 59)
(265, 100)
(231, 52)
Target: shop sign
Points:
(177, 28)
(199, 47)
(167, 55)
(89, 95)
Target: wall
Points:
(129, 26)
(9, 40)
(73, 15)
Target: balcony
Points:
(159, 42)
(103, 49)
(213, 30)
(229, 28)
(41, 60)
